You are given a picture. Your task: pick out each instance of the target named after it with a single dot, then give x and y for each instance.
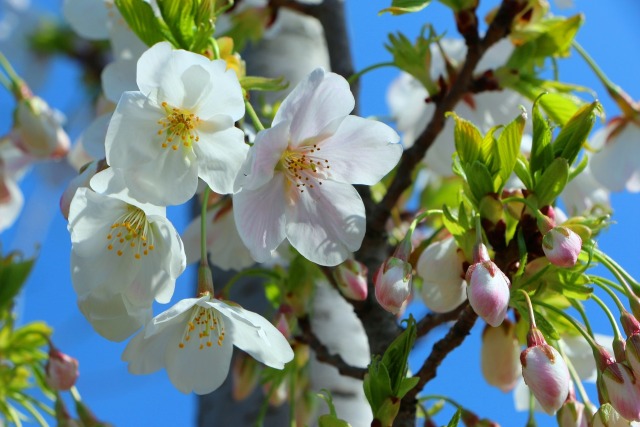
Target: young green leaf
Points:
(508, 148)
(575, 132)
(552, 181)
(179, 15)
(541, 150)
(142, 21)
(468, 139)
(400, 7)
(480, 180)
(455, 420)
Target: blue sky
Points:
(610, 34)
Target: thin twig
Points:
(432, 320)
(324, 355)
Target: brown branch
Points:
(498, 29)
(442, 348)
(324, 355)
(432, 320)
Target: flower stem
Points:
(254, 116)
(606, 282)
(365, 70)
(620, 273)
(585, 319)
(215, 48)
(421, 217)
(610, 292)
(573, 321)
(532, 317)
(441, 397)
(203, 227)
(612, 320)
(249, 272)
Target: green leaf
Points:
(397, 354)
(13, 275)
(451, 222)
(575, 132)
(521, 169)
(400, 7)
(552, 181)
(458, 5)
(468, 139)
(248, 26)
(541, 150)
(414, 58)
(455, 420)
(142, 21)
(377, 384)
(406, 385)
(508, 148)
(179, 16)
(480, 180)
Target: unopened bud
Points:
(38, 131)
(562, 246)
(393, 284)
(488, 289)
(545, 372)
(245, 375)
(61, 370)
(621, 390)
(499, 357)
(572, 414)
(351, 278)
(607, 416)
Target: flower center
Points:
(206, 322)
(303, 167)
(178, 127)
(131, 234)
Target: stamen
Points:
(179, 124)
(205, 322)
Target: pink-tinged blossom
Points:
(61, 370)
(124, 254)
(38, 129)
(562, 246)
(440, 267)
(11, 199)
(545, 372)
(488, 289)
(194, 339)
(182, 119)
(351, 278)
(499, 357)
(617, 164)
(622, 390)
(393, 284)
(296, 182)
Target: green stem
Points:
(441, 397)
(421, 217)
(611, 87)
(573, 321)
(532, 317)
(620, 274)
(612, 294)
(612, 319)
(75, 394)
(215, 48)
(203, 227)
(531, 420)
(365, 70)
(6, 65)
(607, 282)
(580, 309)
(6, 82)
(254, 116)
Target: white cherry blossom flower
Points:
(296, 183)
(617, 165)
(124, 255)
(178, 127)
(194, 340)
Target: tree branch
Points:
(432, 320)
(498, 29)
(324, 355)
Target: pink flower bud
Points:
(545, 372)
(38, 130)
(488, 289)
(562, 246)
(632, 352)
(393, 284)
(622, 390)
(351, 278)
(572, 414)
(499, 357)
(61, 370)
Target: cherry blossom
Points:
(194, 340)
(298, 174)
(182, 122)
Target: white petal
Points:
(617, 166)
(260, 217)
(11, 204)
(220, 157)
(118, 77)
(94, 136)
(326, 224)
(255, 335)
(152, 65)
(172, 315)
(316, 102)
(263, 157)
(361, 151)
(146, 355)
(201, 371)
